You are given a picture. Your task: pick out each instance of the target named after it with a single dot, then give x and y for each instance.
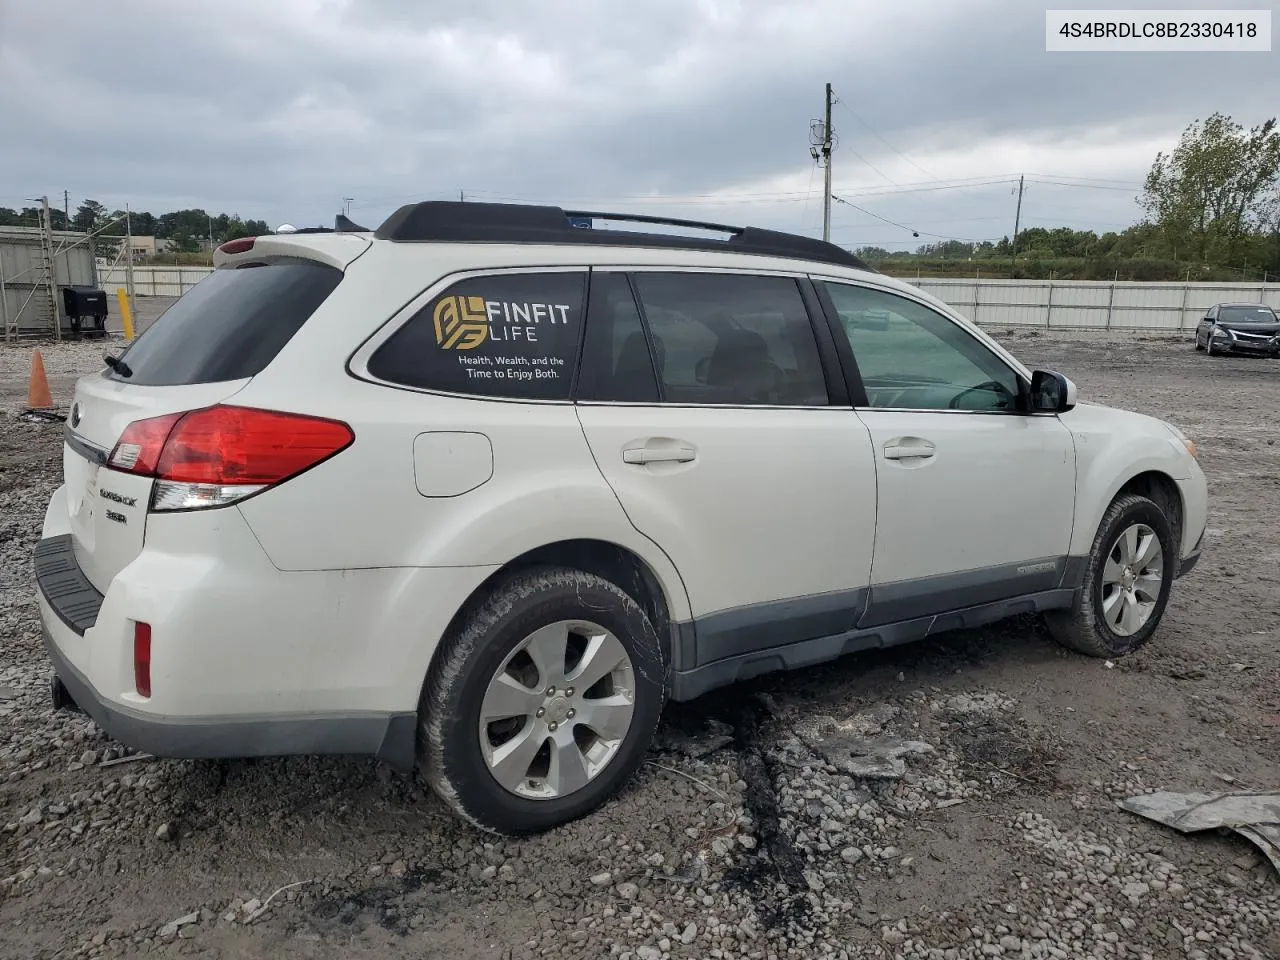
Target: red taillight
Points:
(239, 445)
(242, 245)
(218, 455)
(142, 658)
(139, 447)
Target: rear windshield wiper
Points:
(118, 365)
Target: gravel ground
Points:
(754, 831)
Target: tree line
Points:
(184, 228)
(1211, 211)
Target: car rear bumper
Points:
(390, 737)
(246, 660)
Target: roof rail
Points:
(455, 221)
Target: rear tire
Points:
(547, 752)
(1126, 584)
(1199, 345)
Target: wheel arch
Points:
(664, 603)
(1153, 483)
(1160, 487)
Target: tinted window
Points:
(731, 338)
(1259, 314)
(616, 360)
(507, 335)
(912, 357)
(230, 325)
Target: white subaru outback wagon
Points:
(478, 491)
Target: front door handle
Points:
(909, 448)
(659, 451)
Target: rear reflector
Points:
(215, 456)
(142, 658)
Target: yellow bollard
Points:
(126, 315)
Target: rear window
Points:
(230, 325)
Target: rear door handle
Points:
(680, 453)
(908, 448)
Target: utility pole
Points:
(347, 202)
(66, 210)
(210, 219)
(826, 163)
(128, 252)
(1017, 216)
(821, 143)
(461, 198)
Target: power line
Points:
(914, 232)
(804, 215)
(1084, 186)
(832, 98)
(1067, 176)
(742, 198)
(883, 140)
(954, 186)
(968, 220)
(775, 196)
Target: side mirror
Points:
(1051, 392)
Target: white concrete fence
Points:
(152, 281)
(1053, 304)
(1091, 304)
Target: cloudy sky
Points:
(697, 108)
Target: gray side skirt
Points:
(739, 644)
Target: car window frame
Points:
(834, 379)
(357, 365)
(979, 341)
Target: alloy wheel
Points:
(557, 710)
(1132, 576)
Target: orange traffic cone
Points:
(38, 395)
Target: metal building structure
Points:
(35, 264)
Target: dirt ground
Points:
(746, 834)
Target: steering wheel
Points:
(991, 386)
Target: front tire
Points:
(1126, 584)
(541, 702)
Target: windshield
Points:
(1247, 315)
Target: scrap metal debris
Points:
(1255, 816)
(42, 416)
(881, 758)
